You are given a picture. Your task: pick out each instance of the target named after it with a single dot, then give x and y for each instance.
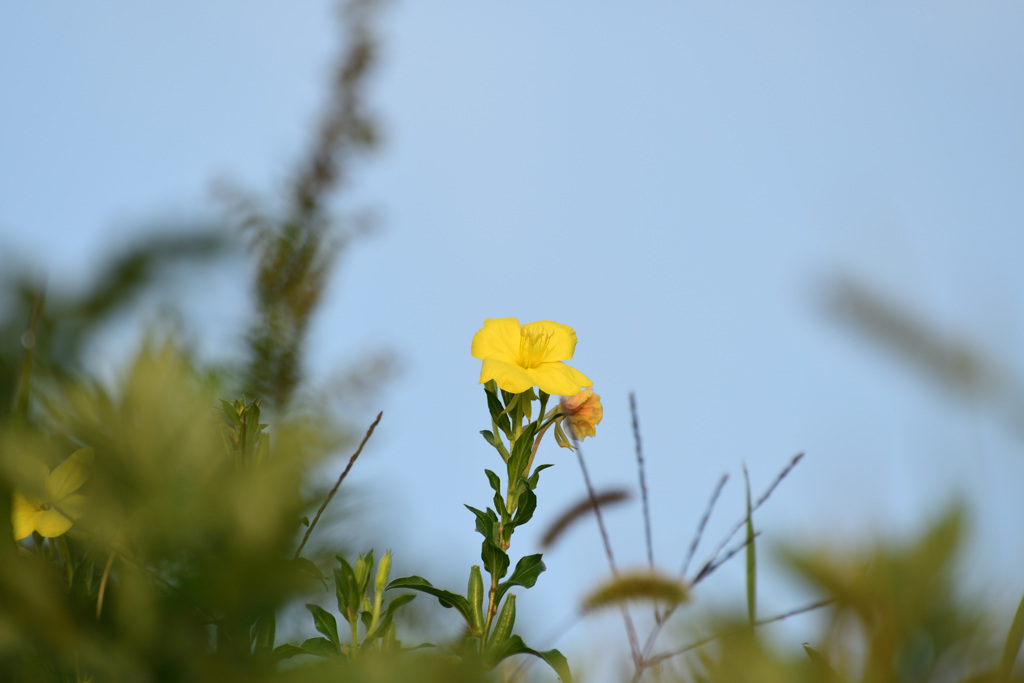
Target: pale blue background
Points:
(679, 181)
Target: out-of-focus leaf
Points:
(325, 623)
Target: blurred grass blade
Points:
(1013, 641)
(828, 674)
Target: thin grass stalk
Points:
(634, 642)
(334, 490)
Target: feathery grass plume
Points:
(297, 248)
(634, 586)
(961, 366)
(583, 507)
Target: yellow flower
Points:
(583, 412)
(54, 514)
(518, 357)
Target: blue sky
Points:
(680, 182)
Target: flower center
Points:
(533, 347)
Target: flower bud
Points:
(582, 413)
(383, 569)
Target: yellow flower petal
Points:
(50, 523)
(23, 514)
(508, 376)
(71, 505)
(499, 337)
(560, 340)
(53, 513)
(69, 476)
(559, 379)
(518, 357)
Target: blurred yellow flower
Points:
(54, 514)
(583, 412)
(518, 357)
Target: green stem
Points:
(65, 556)
(354, 620)
(376, 611)
(492, 609)
(28, 342)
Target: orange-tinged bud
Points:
(582, 413)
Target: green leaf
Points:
(263, 632)
(347, 590)
(387, 617)
(287, 651)
(557, 661)
(308, 567)
(499, 505)
(486, 523)
(527, 506)
(494, 481)
(751, 557)
(325, 623)
(521, 450)
(362, 569)
(446, 598)
(525, 574)
(516, 646)
(535, 477)
(321, 647)
(494, 559)
(495, 408)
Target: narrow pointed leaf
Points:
(388, 616)
(521, 450)
(325, 623)
(321, 647)
(446, 598)
(493, 480)
(263, 635)
(494, 559)
(287, 651)
(525, 574)
(486, 523)
(516, 646)
(527, 506)
(535, 477)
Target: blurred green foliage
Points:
(199, 491)
(894, 613)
